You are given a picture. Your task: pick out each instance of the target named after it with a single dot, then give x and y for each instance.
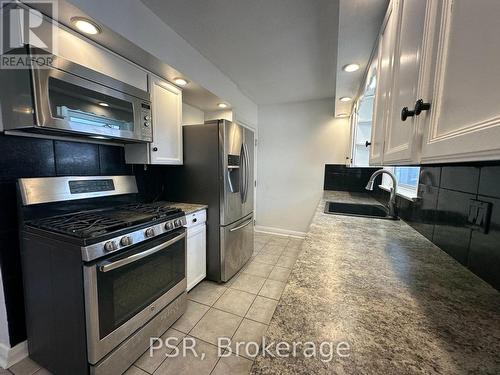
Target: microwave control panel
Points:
(146, 128)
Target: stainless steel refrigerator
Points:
(218, 171)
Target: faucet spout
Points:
(392, 198)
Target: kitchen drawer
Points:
(196, 218)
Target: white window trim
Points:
(407, 192)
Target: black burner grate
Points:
(90, 224)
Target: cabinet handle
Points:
(421, 106)
(155, 149)
(405, 113)
(367, 143)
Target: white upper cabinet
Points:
(463, 123)
(167, 119)
(401, 126)
(446, 57)
(166, 148)
(383, 89)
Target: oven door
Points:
(71, 98)
(123, 292)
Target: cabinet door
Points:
(166, 147)
(400, 145)
(383, 90)
(464, 118)
(196, 257)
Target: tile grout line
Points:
(218, 309)
(244, 317)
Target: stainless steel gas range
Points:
(102, 272)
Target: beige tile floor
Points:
(240, 309)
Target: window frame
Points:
(405, 191)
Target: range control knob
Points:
(150, 232)
(110, 246)
(146, 123)
(147, 118)
(125, 241)
(169, 225)
(178, 223)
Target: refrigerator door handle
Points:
(242, 173)
(231, 187)
(247, 168)
(241, 226)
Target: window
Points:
(362, 122)
(407, 178)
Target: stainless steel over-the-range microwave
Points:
(68, 98)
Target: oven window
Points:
(125, 291)
(85, 108)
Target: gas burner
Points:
(158, 209)
(91, 224)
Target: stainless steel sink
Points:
(376, 211)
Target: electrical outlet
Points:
(479, 215)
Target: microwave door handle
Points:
(241, 226)
(109, 266)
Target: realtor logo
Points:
(23, 26)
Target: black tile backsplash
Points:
(440, 213)
(460, 178)
(430, 176)
(8, 212)
(489, 181)
(451, 233)
(422, 213)
(112, 161)
(26, 157)
(484, 253)
(74, 158)
(341, 178)
(35, 157)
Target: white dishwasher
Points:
(196, 254)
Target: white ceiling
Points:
(276, 51)
(359, 26)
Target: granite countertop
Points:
(189, 208)
(403, 305)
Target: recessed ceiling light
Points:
(102, 104)
(345, 99)
(180, 81)
(342, 115)
(85, 25)
(222, 105)
(351, 68)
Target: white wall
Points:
(192, 115)
(296, 140)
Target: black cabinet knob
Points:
(421, 106)
(367, 143)
(405, 113)
(155, 149)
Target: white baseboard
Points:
(279, 231)
(10, 356)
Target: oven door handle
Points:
(109, 266)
